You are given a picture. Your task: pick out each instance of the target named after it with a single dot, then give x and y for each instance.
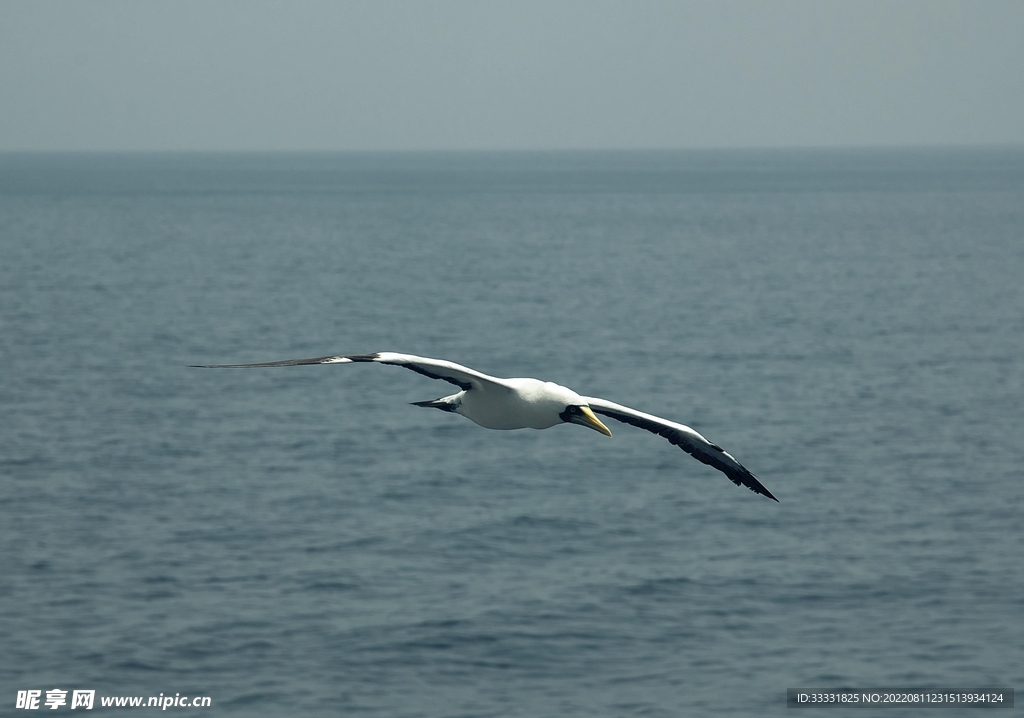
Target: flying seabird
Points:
(496, 403)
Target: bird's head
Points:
(559, 400)
(582, 415)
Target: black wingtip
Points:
(751, 482)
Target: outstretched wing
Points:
(460, 376)
(686, 439)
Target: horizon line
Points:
(536, 150)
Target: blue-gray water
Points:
(301, 541)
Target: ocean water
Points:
(301, 541)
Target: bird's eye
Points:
(574, 410)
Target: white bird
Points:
(530, 403)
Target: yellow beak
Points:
(586, 418)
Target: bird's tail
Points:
(446, 403)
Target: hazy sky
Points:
(209, 75)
